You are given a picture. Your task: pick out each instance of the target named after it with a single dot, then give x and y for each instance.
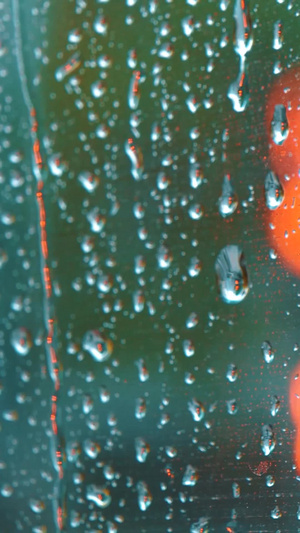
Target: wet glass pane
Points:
(149, 264)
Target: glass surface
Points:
(149, 266)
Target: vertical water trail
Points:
(54, 365)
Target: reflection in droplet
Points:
(144, 496)
(279, 125)
(196, 409)
(273, 191)
(98, 345)
(190, 476)
(228, 200)
(232, 276)
(21, 341)
(99, 495)
(238, 91)
(142, 449)
(267, 441)
(243, 36)
(267, 351)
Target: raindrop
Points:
(228, 200)
(243, 37)
(192, 320)
(68, 68)
(142, 449)
(232, 372)
(267, 351)
(140, 408)
(164, 257)
(232, 276)
(236, 490)
(201, 526)
(188, 25)
(100, 25)
(89, 181)
(270, 480)
(275, 405)
(238, 91)
(267, 440)
(21, 341)
(276, 513)
(279, 125)
(188, 348)
(144, 495)
(98, 89)
(135, 155)
(195, 267)
(134, 90)
(98, 345)
(232, 407)
(196, 409)
(278, 35)
(273, 191)
(142, 370)
(99, 495)
(190, 476)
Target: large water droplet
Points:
(279, 125)
(98, 345)
(273, 191)
(232, 276)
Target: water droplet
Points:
(238, 91)
(100, 25)
(164, 257)
(142, 449)
(275, 405)
(196, 409)
(270, 480)
(188, 25)
(140, 408)
(98, 89)
(267, 441)
(188, 348)
(278, 35)
(37, 506)
(243, 37)
(91, 448)
(89, 181)
(267, 351)
(144, 495)
(68, 68)
(190, 476)
(99, 495)
(276, 513)
(135, 155)
(195, 211)
(142, 370)
(232, 372)
(273, 191)
(228, 200)
(192, 320)
(279, 125)
(232, 276)
(57, 165)
(195, 267)
(236, 490)
(201, 526)
(21, 341)
(98, 345)
(134, 90)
